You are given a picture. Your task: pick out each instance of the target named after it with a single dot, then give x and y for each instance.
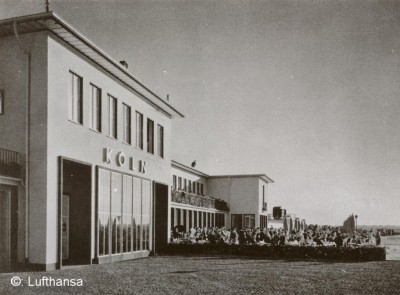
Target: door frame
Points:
(61, 159)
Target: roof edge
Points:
(188, 169)
(148, 95)
(262, 176)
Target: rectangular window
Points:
(127, 214)
(95, 110)
(198, 188)
(179, 182)
(116, 212)
(174, 182)
(75, 99)
(137, 213)
(236, 221)
(139, 130)
(160, 138)
(146, 213)
(124, 211)
(1, 102)
(201, 189)
(113, 115)
(190, 186)
(249, 220)
(184, 184)
(150, 136)
(104, 212)
(127, 123)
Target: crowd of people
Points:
(312, 235)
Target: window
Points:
(184, 184)
(124, 211)
(179, 182)
(127, 123)
(75, 99)
(160, 142)
(174, 182)
(139, 130)
(150, 136)
(1, 102)
(198, 188)
(236, 221)
(113, 117)
(190, 186)
(249, 220)
(201, 189)
(95, 110)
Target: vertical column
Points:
(175, 217)
(181, 221)
(187, 221)
(206, 220)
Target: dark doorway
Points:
(75, 213)
(160, 213)
(8, 227)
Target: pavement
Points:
(210, 275)
(392, 244)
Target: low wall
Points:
(281, 252)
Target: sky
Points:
(306, 92)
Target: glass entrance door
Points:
(5, 229)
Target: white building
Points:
(202, 200)
(84, 151)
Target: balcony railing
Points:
(183, 197)
(10, 164)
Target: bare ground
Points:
(217, 275)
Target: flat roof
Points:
(53, 23)
(188, 169)
(262, 176)
(191, 170)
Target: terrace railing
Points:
(10, 164)
(183, 197)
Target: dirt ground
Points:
(213, 275)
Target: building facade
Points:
(84, 151)
(201, 200)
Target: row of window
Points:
(179, 183)
(243, 220)
(75, 114)
(124, 211)
(192, 218)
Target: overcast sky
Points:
(307, 92)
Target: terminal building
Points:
(201, 200)
(86, 174)
(84, 150)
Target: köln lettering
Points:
(121, 160)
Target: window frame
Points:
(72, 99)
(95, 108)
(126, 134)
(139, 130)
(160, 140)
(150, 136)
(112, 120)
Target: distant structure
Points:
(287, 221)
(349, 225)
